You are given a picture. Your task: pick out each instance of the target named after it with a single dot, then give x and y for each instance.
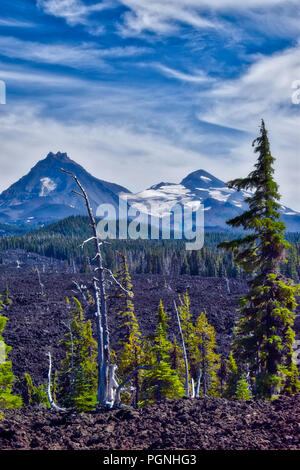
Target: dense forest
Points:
(63, 239)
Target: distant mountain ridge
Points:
(45, 195)
(200, 187)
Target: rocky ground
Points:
(211, 424)
(36, 324)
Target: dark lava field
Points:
(36, 325)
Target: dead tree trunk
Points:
(40, 282)
(99, 339)
(102, 325)
(227, 285)
(49, 394)
(197, 393)
(187, 392)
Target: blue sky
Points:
(141, 91)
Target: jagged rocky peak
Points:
(58, 156)
(45, 194)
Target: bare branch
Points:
(88, 240)
(130, 294)
(80, 291)
(121, 386)
(76, 192)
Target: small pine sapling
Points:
(161, 381)
(6, 300)
(243, 392)
(36, 395)
(77, 378)
(7, 378)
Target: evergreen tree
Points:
(200, 343)
(77, 379)
(35, 395)
(131, 354)
(177, 360)
(160, 380)
(7, 378)
(242, 390)
(206, 359)
(7, 301)
(232, 376)
(264, 335)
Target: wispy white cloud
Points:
(146, 132)
(196, 77)
(263, 91)
(23, 77)
(265, 88)
(161, 16)
(77, 12)
(10, 22)
(129, 151)
(78, 56)
(164, 17)
(73, 11)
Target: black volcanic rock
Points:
(45, 194)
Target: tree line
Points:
(62, 241)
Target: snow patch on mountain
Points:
(205, 178)
(47, 185)
(219, 202)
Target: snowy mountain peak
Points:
(219, 202)
(45, 193)
(203, 179)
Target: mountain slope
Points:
(45, 194)
(200, 187)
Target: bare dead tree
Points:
(80, 289)
(49, 394)
(197, 392)
(204, 365)
(127, 379)
(99, 338)
(187, 392)
(103, 336)
(40, 282)
(227, 285)
(192, 388)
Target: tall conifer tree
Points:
(264, 335)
